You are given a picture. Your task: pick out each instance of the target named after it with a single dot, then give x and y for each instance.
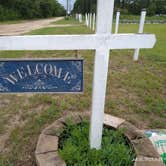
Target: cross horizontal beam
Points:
(80, 42)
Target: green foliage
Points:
(126, 6)
(74, 147)
(151, 10)
(8, 14)
(85, 6)
(161, 6)
(28, 9)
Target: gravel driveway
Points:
(24, 27)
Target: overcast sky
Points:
(64, 3)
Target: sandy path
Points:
(24, 27)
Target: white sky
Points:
(64, 3)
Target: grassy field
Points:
(64, 30)
(73, 21)
(136, 91)
(70, 20)
(12, 22)
(137, 17)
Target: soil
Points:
(24, 27)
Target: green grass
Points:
(71, 20)
(23, 136)
(135, 91)
(74, 147)
(137, 17)
(60, 30)
(157, 54)
(12, 22)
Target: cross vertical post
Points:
(141, 29)
(90, 20)
(80, 18)
(94, 20)
(86, 19)
(104, 26)
(117, 22)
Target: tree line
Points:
(126, 6)
(29, 9)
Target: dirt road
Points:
(24, 27)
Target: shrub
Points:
(28, 9)
(8, 14)
(74, 147)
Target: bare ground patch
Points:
(22, 109)
(24, 27)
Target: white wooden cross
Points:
(102, 42)
(141, 29)
(117, 22)
(90, 20)
(80, 18)
(86, 19)
(94, 22)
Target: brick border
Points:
(46, 153)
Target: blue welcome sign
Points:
(41, 76)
